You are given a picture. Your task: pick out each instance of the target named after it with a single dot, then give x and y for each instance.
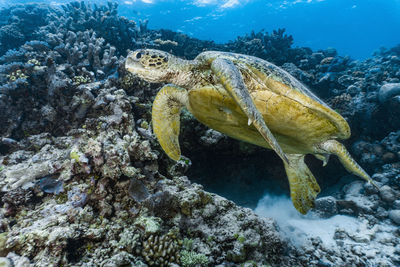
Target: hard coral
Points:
(191, 258)
(161, 250)
(274, 47)
(20, 23)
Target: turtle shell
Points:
(297, 117)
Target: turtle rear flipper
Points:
(166, 118)
(231, 78)
(336, 148)
(303, 186)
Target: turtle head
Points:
(150, 64)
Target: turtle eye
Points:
(138, 55)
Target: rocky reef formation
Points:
(84, 182)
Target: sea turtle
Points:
(249, 99)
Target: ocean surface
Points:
(354, 27)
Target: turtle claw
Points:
(323, 157)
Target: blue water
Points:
(354, 27)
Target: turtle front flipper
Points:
(166, 118)
(303, 186)
(231, 78)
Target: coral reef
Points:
(275, 47)
(18, 24)
(112, 188)
(84, 182)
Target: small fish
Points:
(49, 184)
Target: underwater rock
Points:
(369, 154)
(388, 91)
(396, 204)
(18, 260)
(163, 204)
(122, 259)
(23, 174)
(395, 216)
(326, 206)
(357, 201)
(353, 90)
(204, 213)
(392, 142)
(370, 189)
(138, 190)
(387, 194)
(15, 200)
(5, 262)
(77, 197)
(211, 137)
(180, 167)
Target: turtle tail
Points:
(338, 149)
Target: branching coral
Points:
(89, 53)
(274, 47)
(20, 23)
(190, 258)
(161, 250)
(103, 19)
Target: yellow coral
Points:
(79, 79)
